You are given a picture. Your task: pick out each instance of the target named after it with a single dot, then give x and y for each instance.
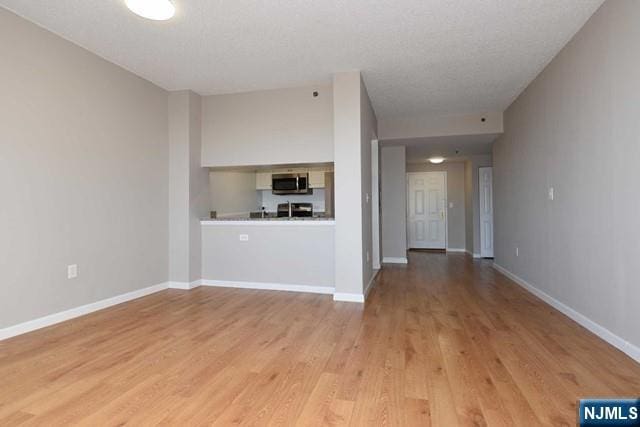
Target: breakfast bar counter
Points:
(270, 221)
(294, 254)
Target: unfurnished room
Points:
(320, 213)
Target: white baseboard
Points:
(185, 285)
(348, 297)
(371, 283)
(345, 297)
(294, 288)
(456, 250)
(52, 319)
(620, 343)
(395, 260)
(269, 286)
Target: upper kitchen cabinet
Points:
(263, 181)
(270, 127)
(316, 179)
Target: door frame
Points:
(446, 206)
(483, 253)
(375, 205)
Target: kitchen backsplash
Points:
(270, 201)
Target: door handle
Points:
(442, 214)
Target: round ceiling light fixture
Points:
(436, 160)
(157, 10)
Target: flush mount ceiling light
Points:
(158, 10)
(436, 160)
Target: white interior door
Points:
(426, 210)
(486, 212)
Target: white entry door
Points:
(486, 212)
(426, 210)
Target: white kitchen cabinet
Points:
(263, 181)
(316, 179)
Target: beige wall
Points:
(178, 107)
(576, 128)
(233, 192)
(472, 201)
(189, 196)
(468, 206)
(455, 195)
(289, 254)
(431, 126)
(268, 127)
(83, 176)
(368, 129)
(477, 162)
(349, 265)
(393, 200)
(199, 194)
(355, 126)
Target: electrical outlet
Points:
(244, 237)
(72, 271)
(450, 205)
(368, 256)
(517, 252)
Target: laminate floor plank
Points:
(443, 341)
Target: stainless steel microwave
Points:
(290, 183)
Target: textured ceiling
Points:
(417, 56)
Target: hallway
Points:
(443, 341)
(490, 351)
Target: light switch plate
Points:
(244, 237)
(72, 271)
(551, 193)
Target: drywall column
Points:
(348, 187)
(199, 193)
(376, 253)
(472, 196)
(188, 188)
(368, 133)
(468, 206)
(477, 163)
(394, 204)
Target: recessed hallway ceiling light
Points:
(157, 10)
(436, 160)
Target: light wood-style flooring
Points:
(444, 341)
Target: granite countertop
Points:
(275, 219)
